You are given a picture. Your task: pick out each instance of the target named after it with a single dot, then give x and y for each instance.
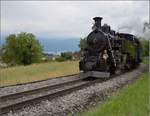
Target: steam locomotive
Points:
(108, 52)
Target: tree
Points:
(65, 56)
(22, 48)
(83, 43)
(145, 47)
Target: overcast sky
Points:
(72, 19)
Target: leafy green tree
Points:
(83, 43)
(22, 48)
(145, 47)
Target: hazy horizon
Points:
(57, 45)
(59, 20)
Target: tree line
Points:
(25, 49)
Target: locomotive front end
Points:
(92, 57)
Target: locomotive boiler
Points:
(108, 52)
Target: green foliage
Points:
(83, 43)
(1, 50)
(130, 48)
(65, 56)
(145, 47)
(60, 59)
(22, 48)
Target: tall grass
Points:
(34, 72)
(130, 101)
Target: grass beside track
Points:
(34, 72)
(132, 100)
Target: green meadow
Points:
(35, 72)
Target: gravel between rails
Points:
(80, 100)
(24, 87)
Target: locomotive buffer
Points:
(96, 74)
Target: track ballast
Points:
(15, 101)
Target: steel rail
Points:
(16, 101)
(36, 90)
(13, 103)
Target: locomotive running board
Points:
(96, 74)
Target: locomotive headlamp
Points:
(105, 55)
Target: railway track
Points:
(16, 101)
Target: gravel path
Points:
(19, 88)
(79, 100)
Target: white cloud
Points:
(70, 19)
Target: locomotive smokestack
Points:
(97, 21)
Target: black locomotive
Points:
(108, 52)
